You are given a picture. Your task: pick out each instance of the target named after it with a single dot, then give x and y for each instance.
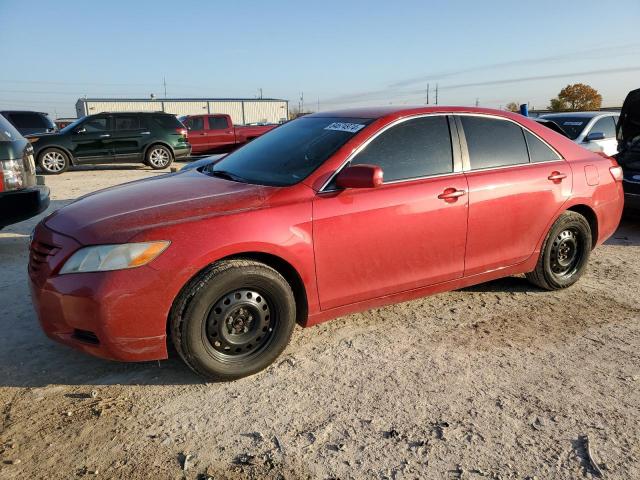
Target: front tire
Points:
(565, 253)
(158, 157)
(53, 161)
(233, 320)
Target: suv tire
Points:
(53, 161)
(158, 157)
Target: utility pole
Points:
(436, 94)
(260, 93)
(301, 102)
(477, 101)
(164, 83)
(427, 94)
(318, 104)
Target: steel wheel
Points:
(565, 252)
(159, 157)
(53, 161)
(239, 325)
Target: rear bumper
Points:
(20, 205)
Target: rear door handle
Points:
(105, 135)
(557, 177)
(451, 194)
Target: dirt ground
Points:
(498, 381)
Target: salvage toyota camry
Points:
(329, 214)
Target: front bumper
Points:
(19, 205)
(119, 315)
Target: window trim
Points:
(465, 149)
(454, 138)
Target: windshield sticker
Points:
(573, 124)
(345, 127)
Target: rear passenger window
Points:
(494, 143)
(414, 148)
(538, 150)
(127, 123)
(218, 123)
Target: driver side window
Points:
(414, 148)
(97, 124)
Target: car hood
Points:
(117, 214)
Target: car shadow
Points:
(628, 232)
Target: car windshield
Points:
(572, 126)
(73, 125)
(288, 154)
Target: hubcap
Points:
(239, 324)
(159, 157)
(566, 252)
(53, 161)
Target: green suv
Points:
(155, 139)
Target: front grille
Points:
(39, 254)
(85, 336)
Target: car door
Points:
(606, 126)
(220, 134)
(91, 140)
(128, 136)
(408, 233)
(516, 183)
(197, 134)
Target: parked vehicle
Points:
(210, 133)
(155, 139)
(329, 214)
(28, 123)
(20, 196)
(628, 132)
(595, 131)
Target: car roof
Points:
(379, 112)
(578, 114)
(23, 111)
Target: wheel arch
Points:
(587, 212)
(282, 266)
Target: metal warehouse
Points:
(241, 110)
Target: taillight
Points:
(182, 131)
(11, 175)
(616, 173)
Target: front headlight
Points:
(102, 258)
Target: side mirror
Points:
(593, 136)
(81, 130)
(360, 176)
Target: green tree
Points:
(576, 97)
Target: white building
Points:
(241, 110)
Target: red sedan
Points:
(329, 214)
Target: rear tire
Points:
(233, 320)
(158, 157)
(565, 253)
(53, 161)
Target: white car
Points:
(595, 131)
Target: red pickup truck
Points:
(210, 133)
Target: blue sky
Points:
(342, 53)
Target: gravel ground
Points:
(496, 381)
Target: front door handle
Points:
(557, 177)
(105, 135)
(451, 194)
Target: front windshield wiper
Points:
(227, 175)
